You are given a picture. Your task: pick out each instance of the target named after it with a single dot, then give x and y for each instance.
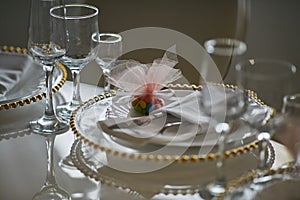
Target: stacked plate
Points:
(170, 159)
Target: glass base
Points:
(213, 190)
(64, 111)
(48, 126)
(51, 192)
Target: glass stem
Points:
(263, 142)
(297, 148)
(76, 99)
(50, 178)
(106, 83)
(220, 177)
(49, 111)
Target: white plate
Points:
(24, 101)
(28, 82)
(187, 134)
(134, 157)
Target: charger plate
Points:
(163, 168)
(84, 125)
(24, 102)
(30, 87)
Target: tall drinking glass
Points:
(288, 131)
(225, 106)
(82, 25)
(270, 80)
(47, 45)
(223, 50)
(110, 49)
(51, 190)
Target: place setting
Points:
(152, 131)
(148, 131)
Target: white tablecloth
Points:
(23, 165)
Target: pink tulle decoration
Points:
(143, 81)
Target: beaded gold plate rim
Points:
(163, 158)
(37, 97)
(89, 171)
(80, 165)
(248, 177)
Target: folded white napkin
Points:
(184, 108)
(11, 70)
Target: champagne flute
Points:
(46, 44)
(110, 48)
(82, 25)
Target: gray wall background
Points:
(272, 31)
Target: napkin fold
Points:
(184, 110)
(11, 71)
(178, 121)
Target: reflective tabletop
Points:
(23, 164)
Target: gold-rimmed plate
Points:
(185, 134)
(133, 158)
(280, 183)
(23, 80)
(24, 101)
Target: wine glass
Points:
(287, 131)
(46, 44)
(82, 25)
(224, 105)
(271, 79)
(263, 78)
(223, 50)
(50, 189)
(110, 49)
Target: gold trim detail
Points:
(248, 177)
(37, 97)
(163, 158)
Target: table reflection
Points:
(23, 163)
